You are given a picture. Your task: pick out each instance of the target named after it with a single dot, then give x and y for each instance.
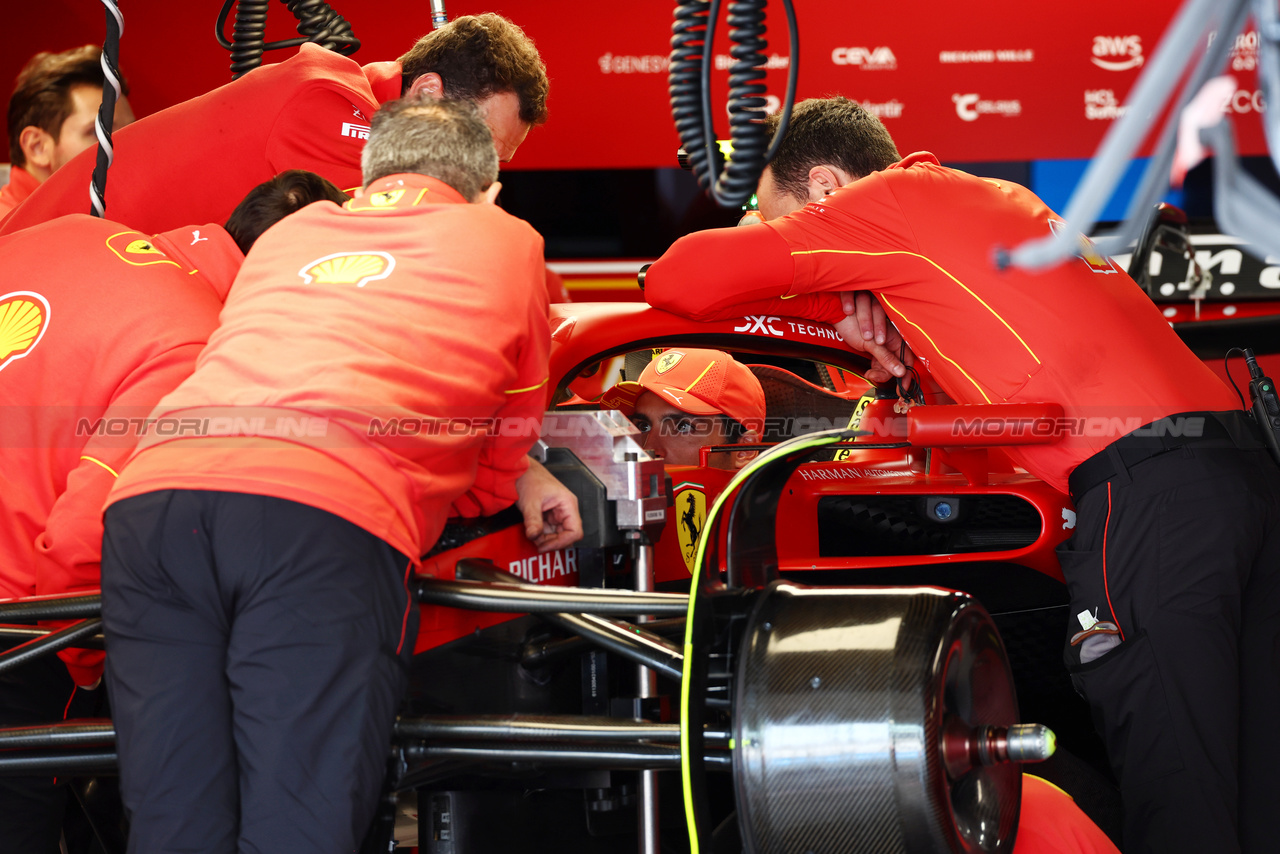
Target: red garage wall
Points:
(992, 81)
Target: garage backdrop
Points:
(998, 80)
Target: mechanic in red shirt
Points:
(308, 112)
(1174, 566)
(378, 366)
(686, 399)
(102, 322)
(51, 117)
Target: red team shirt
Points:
(97, 323)
(362, 354)
(922, 238)
(21, 184)
(195, 161)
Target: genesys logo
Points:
(1117, 53)
(868, 59)
(971, 106)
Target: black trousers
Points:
(31, 808)
(257, 652)
(1183, 554)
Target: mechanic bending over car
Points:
(255, 597)
(113, 321)
(309, 112)
(1173, 568)
(686, 399)
(51, 117)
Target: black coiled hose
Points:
(689, 74)
(317, 22)
(248, 37)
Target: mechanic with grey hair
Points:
(379, 367)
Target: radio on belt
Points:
(1266, 405)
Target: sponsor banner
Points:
(1007, 83)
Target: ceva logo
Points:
(1117, 53)
(878, 59)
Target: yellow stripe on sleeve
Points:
(940, 269)
(530, 388)
(114, 473)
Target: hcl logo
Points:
(879, 59)
(1106, 49)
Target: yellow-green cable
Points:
(782, 450)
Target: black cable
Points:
(689, 78)
(107, 110)
(317, 22)
(915, 391)
(1226, 367)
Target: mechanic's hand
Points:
(865, 327)
(551, 519)
(751, 218)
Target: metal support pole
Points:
(648, 819)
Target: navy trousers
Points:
(1182, 553)
(257, 653)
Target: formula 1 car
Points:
(842, 674)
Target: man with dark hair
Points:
(835, 131)
(686, 399)
(51, 118)
(1173, 569)
(273, 200)
(97, 323)
(309, 112)
(255, 576)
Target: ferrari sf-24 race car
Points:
(872, 608)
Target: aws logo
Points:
(135, 248)
(348, 268)
(24, 317)
(1117, 53)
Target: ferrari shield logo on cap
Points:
(135, 248)
(668, 360)
(348, 268)
(690, 515)
(24, 316)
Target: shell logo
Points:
(24, 316)
(348, 268)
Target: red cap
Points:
(699, 382)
